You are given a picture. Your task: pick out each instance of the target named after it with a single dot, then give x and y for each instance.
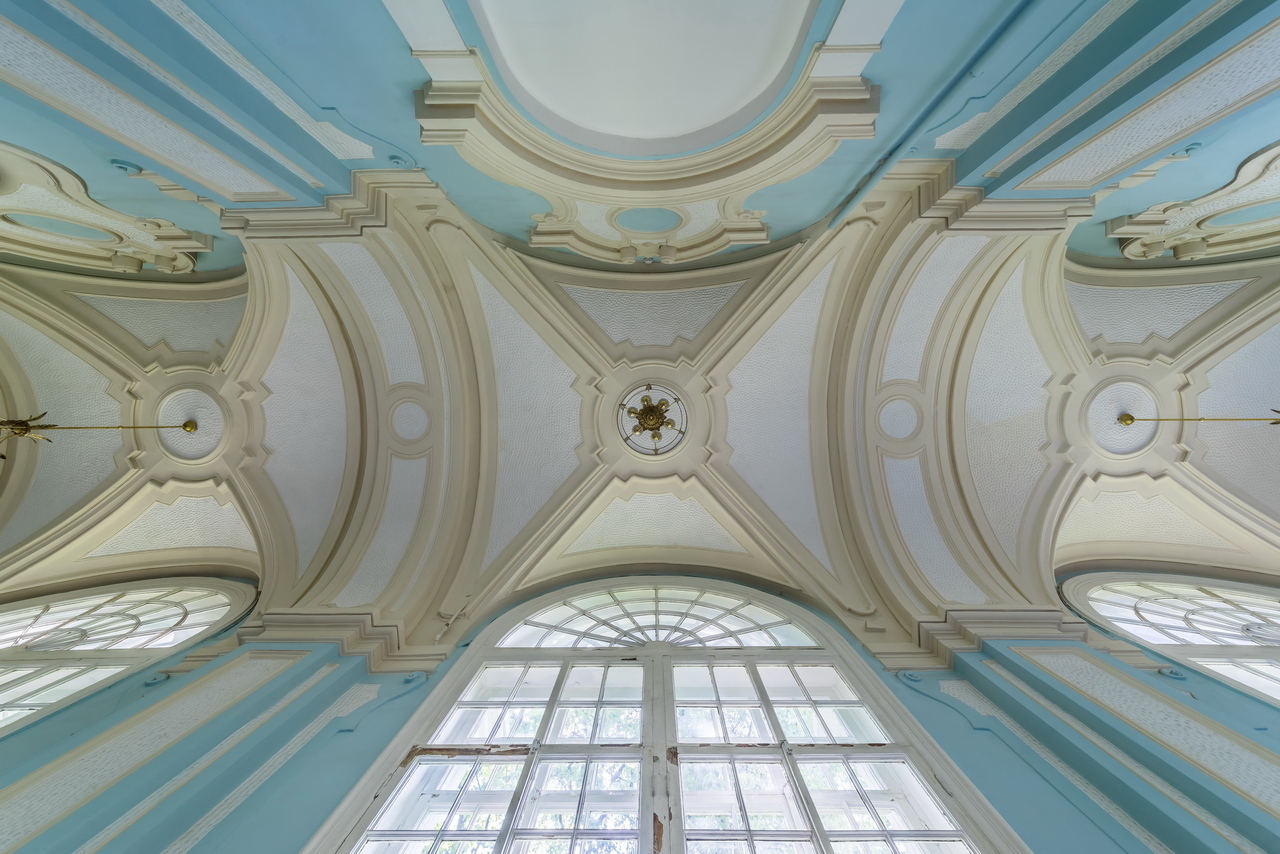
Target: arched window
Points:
(665, 717)
(58, 648)
(1232, 630)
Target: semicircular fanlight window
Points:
(635, 616)
(1169, 613)
(132, 619)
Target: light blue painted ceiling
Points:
(298, 94)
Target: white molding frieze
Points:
(497, 139)
(33, 186)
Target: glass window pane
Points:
(698, 723)
(783, 847)
(801, 725)
(746, 724)
(840, 806)
(716, 846)
(582, 683)
(619, 726)
(869, 847)
(693, 682)
(612, 799)
(767, 795)
(493, 683)
(467, 726)
(899, 798)
(733, 682)
(709, 796)
(604, 846)
(551, 801)
(88, 676)
(852, 724)
(780, 684)
(825, 683)
(572, 725)
(933, 846)
(537, 683)
(519, 725)
(624, 683)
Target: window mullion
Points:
(664, 790)
(819, 834)
(503, 841)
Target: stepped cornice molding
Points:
(355, 632)
(497, 139)
(346, 215)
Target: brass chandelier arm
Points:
(188, 426)
(1126, 419)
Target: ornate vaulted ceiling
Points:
(904, 264)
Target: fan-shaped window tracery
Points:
(635, 616)
(1232, 630)
(659, 717)
(57, 648)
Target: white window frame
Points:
(984, 829)
(1192, 656)
(240, 596)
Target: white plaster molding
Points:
(918, 526)
(1244, 766)
(1131, 314)
(656, 520)
(1118, 81)
(1132, 517)
(192, 325)
(495, 138)
(394, 332)
(33, 67)
(31, 185)
(778, 369)
(967, 629)
(356, 632)
(530, 377)
(69, 388)
(188, 522)
(652, 318)
(40, 799)
(1245, 73)
(406, 491)
(1157, 781)
(1005, 414)
(306, 426)
(918, 311)
(1189, 229)
(966, 693)
(966, 134)
(355, 698)
(340, 144)
(342, 215)
(188, 773)
(128, 52)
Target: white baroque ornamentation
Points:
(497, 139)
(1195, 229)
(91, 235)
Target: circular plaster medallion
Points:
(652, 419)
(190, 404)
(648, 219)
(899, 418)
(410, 421)
(1105, 411)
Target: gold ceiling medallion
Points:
(22, 427)
(652, 419)
(1126, 419)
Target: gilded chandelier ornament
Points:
(23, 428)
(651, 417)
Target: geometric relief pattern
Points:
(1250, 770)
